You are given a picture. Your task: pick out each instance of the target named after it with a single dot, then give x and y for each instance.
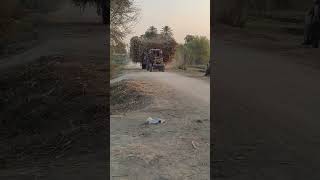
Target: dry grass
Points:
(129, 95)
(115, 70)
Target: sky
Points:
(183, 16)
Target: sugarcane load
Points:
(153, 50)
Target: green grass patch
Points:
(117, 63)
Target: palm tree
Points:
(189, 38)
(167, 31)
(151, 32)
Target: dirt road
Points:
(267, 117)
(177, 149)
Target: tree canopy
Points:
(198, 49)
(123, 15)
(167, 31)
(152, 32)
(195, 51)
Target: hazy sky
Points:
(183, 16)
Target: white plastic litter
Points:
(151, 120)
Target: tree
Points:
(199, 49)
(195, 50)
(120, 48)
(188, 38)
(135, 45)
(181, 57)
(151, 32)
(167, 31)
(123, 15)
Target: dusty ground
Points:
(266, 123)
(54, 102)
(177, 149)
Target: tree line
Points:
(194, 51)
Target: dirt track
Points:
(177, 149)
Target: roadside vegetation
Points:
(117, 63)
(194, 54)
(123, 15)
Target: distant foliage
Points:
(198, 50)
(152, 32)
(119, 48)
(195, 51)
(181, 57)
(135, 46)
(166, 31)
